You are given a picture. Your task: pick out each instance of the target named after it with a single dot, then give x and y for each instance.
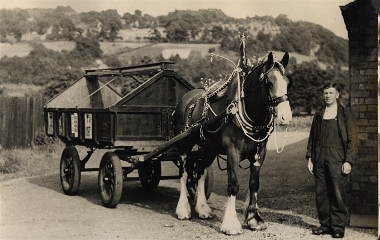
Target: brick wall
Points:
(362, 25)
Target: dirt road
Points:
(36, 208)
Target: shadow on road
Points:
(285, 185)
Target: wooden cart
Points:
(135, 127)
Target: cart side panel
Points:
(166, 91)
(105, 127)
(139, 126)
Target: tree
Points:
(111, 61)
(63, 30)
(154, 35)
(42, 25)
(111, 23)
(217, 33)
(283, 20)
(306, 92)
(87, 48)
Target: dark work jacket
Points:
(347, 132)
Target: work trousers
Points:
(331, 189)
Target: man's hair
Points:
(331, 85)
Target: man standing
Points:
(331, 152)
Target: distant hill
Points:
(209, 26)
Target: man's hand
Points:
(310, 166)
(346, 168)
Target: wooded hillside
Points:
(56, 69)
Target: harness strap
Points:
(276, 101)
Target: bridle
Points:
(252, 131)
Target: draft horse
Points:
(254, 99)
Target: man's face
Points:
(330, 95)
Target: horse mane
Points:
(253, 74)
(257, 71)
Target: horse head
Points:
(266, 89)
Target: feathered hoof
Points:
(254, 225)
(183, 210)
(183, 213)
(183, 217)
(232, 231)
(205, 216)
(204, 211)
(232, 228)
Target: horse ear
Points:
(269, 61)
(285, 60)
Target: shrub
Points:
(9, 164)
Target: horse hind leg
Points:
(183, 209)
(201, 207)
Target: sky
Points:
(323, 12)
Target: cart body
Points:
(137, 126)
(91, 113)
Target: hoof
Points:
(231, 228)
(183, 211)
(204, 211)
(263, 226)
(254, 225)
(183, 217)
(205, 216)
(232, 231)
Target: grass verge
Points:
(42, 160)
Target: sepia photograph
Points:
(189, 119)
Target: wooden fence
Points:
(21, 121)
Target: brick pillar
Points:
(361, 21)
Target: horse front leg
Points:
(253, 220)
(183, 209)
(231, 224)
(201, 206)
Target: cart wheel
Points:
(70, 172)
(192, 183)
(150, 174)
(110, 179)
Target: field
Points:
(131, 44)
(169, 49)
(23, 49)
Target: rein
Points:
(283, 143)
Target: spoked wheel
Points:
(110, 180)
(70, 172)
(149, 174)
(192, 183)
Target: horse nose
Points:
(285, 119)
(284, 113)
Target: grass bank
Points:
(17, 163)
